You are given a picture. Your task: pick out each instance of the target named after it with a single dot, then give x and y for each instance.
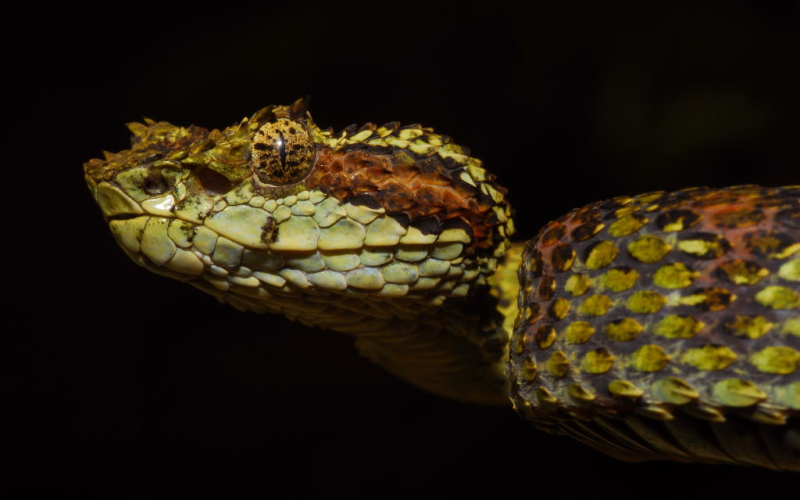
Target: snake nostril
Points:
(155, 184)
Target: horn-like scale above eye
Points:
(283, 152)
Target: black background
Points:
(129, 385)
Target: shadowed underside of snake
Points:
(659, 326)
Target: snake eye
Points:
(155, 184)
(283, 152)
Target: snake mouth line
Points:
(125, 216)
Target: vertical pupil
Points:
(282, 150)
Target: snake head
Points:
(275, 207)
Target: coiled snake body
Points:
(660, 326)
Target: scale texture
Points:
(667, 325)
(663, 326)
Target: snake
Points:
(661, 326)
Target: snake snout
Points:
(114, 202)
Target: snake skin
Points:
(663, 326)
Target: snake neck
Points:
(459, 350)
(455, 347)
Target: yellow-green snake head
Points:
(371, 231)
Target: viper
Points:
(657, 326)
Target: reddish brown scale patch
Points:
(400, 184)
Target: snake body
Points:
(661, 326)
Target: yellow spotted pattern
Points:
(661, 309)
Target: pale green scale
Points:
(161, 205)
(414, 236)
(471, 273)
(330, 280)
(434, 267)
(180, 191)
(185, 261)
(309, 263)
(397, 142)
(496, 195)
(257, 201)
(242, 271)
(737, 392)
(204, 240)
(194, 209)
(344, 235)
(455, 270)
(476, 171)
(270, 205)
(296, 234)
(243, 224)
(129, 232)
(400, 272)
(393, 290)
(447, 251)
(249, 282)
(454, 235)
(361, 213)
(227, 253)
(217, 270)
(384, 231)
(181, 232)
(282, 213)
(156, 244)
(361, 136)
(790, 271)
(313, 196)
(240, 195)
(367, 278)
(374, 256)
(501, 215)
(421, 147)
(453, 151)
(467, 178)
(411, 253)
(303, 207)
(294, 277)
(328, 212)
(271, 279)
(409, 133)
(341, 261)
(115, 201)
(425, 283)
(290, 200)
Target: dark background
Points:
(129, 385)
